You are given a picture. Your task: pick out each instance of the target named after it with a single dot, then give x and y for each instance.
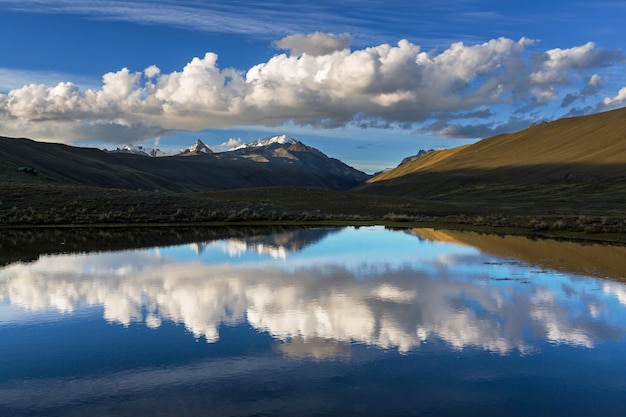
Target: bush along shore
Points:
(65, 206)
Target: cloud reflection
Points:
(318, 309)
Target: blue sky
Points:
(369, 82)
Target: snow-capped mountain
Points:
(287, 154)
(197, 148)
(275, 161)
(279, 140)
(139, 150)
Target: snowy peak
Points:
(278, 140)
(282, 146)
(139, 150)
(197, 148)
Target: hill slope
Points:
(292, 164)
(557, 160)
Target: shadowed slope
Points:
(203, 172)
(567, 153)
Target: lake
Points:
(326, 321)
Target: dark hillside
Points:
(203, 172)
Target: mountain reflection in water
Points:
(371, 286)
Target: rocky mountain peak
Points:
(197, 148)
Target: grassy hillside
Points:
(577, 159)
(221, 171)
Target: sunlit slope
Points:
(580, 149)
(431, 159)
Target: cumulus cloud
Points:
(554, 65)
(320, 83)
(593, 85)
(553, 68)
(620, 98)
(231, 143)
(152, 71)
(315, 44)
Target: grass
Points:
(40, 203)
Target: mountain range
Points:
(138, 150)
(197, 148)
(200, 147)
(570, 165)
(275, 161)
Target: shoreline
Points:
(579, 236)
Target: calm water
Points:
(347, 321)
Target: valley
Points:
(567, 177)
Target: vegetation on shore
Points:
(36, 204)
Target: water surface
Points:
(346, 321)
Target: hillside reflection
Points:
(605, 261)
(371, 286)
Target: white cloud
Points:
(152, 71)
(554, 67)
(321, 83)
(595, 81)
(231, 143)
(315, 44)
(620, 98)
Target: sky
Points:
(369, 82)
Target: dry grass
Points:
(585, 146)
(569, 166)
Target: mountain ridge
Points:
(138, 150)
(269, 141)
(562, 153)
(288, 164)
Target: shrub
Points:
(394, 217)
